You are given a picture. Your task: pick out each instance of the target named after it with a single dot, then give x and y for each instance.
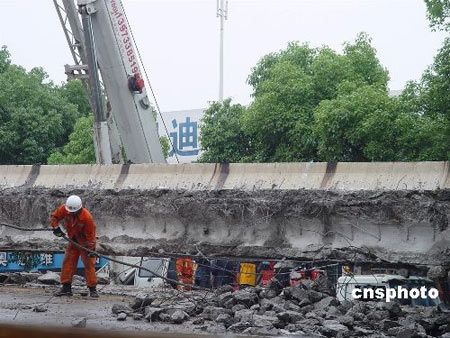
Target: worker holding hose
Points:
(80, 228)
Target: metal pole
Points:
(222, 12)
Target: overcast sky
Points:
(179, 39)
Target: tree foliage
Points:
(289, 86)
(314, 104)
(165, 145)
(221, 133)
(438, 13)
(74, 92)
(35, 118)
(80, 148)
(368, 125)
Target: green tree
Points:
(34, 117)
(165, 145)
(357, 127)
(80, 148)
(429, 100)
(368, 125)
(74, 92)
(222, 138)
(290, 84)
(438, 13)
(5, 59)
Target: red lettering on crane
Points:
(121, 30)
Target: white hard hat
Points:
(73, 203)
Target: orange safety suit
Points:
(185, 271)
(80, 227)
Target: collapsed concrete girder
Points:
(363, 226)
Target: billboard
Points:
(13, 262)
(183, 127)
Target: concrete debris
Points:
(79, 322)
(152, 313)
(179, 317)
(286, 314)
(121, 308)
(19, 277)
(122, 316)
(40, 308)
(138, 316)
(437, 272)
(141, 301)
(102, 280)
(49, 278)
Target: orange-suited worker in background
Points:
(80, 228)
(185, 272)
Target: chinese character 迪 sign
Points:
(184, 131)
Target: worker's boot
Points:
(93, 292)
(66, 290)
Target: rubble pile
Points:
(293, 310)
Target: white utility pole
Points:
(222, 12)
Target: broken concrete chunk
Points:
(238, 307)
(246, 297)
(325, 303)
(334, 326)
(239, 327)
(346, 320)
(224, 289)
(299, 294)
(165, 317)
(225, 318)
(141, 301)
(290, 316)
(437, 272)
(387, 324)
(152, 313)
(122, 316)
(212, 312)
(40, 308)
(224, 298)
(264, 321)
(198, 321)
(49, 278)
(79, 322)
(244, 315)
(118, 308)
(138, 316)
(179, 317)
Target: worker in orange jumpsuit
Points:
(80, 228)
(185, 272)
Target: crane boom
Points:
(108, 44)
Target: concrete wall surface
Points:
(258, 176)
